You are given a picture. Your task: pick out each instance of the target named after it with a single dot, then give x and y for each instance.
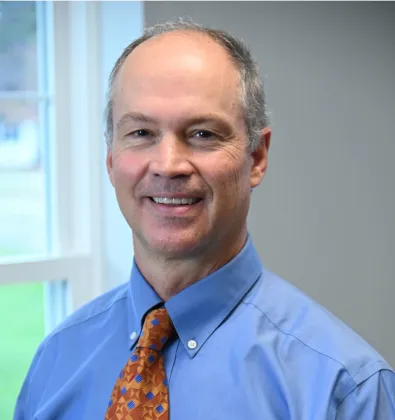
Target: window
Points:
(24, 100)
(24, 134)
(50, 131)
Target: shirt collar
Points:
(198, 310)
(141, 298)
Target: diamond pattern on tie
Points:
(140, 391)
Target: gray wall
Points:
(324, 216)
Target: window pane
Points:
(18, 46)
(22, 180)
(22, 329)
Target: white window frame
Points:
(75, 159)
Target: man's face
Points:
(179, 134)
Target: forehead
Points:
(178, 69)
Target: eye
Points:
(203, 134)
(140, 133)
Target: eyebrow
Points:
(198, 119)
(134, 117)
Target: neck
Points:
(169, 275)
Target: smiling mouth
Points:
(187, 201)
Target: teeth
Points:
(175, 201)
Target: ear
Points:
(259, 158)
(109, 161)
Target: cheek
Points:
(228, 177)
(233, 174)
(127, 167)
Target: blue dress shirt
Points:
(250, 346)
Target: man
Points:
(201, 330)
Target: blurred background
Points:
(323, 217)
(22, 190)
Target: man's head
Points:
(186, 120)
(251, 92)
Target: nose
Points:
(171, 158)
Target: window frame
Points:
(74, 159)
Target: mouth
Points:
(181, 208)
(179, 201)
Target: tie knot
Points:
(157, 330)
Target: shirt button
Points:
(192, 344)
(133, 335)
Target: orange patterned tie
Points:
(140, 392)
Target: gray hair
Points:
(252, 93)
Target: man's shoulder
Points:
(102, 306)
(66, 350)
(296, 317)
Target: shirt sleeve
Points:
(373, 399)
(32, 387)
